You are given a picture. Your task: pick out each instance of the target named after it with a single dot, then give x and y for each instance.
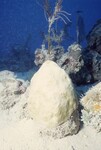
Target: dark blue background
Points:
(19, 18)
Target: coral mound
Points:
(53, 100)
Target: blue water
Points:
(22, 18)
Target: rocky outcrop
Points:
(53, 101)
(94, 38)
(92, 55)
(93, 64)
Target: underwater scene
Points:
(50, 74)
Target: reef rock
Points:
(94, 38)
(73, 63)
(53, 101)
(91, 114)
(93, 63)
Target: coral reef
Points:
(93, 63)
(73, 63)
(91, 114)
(92, 54)
(84, 65)
(53, 101)
(51, 47)
(41, 55)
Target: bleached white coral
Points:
(53, 101)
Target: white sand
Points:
(18, 132)
(24, 135)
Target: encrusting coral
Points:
(91, 114)
(73, 63)
(41, 55)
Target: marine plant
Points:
(53, 15)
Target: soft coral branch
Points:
(58, 14)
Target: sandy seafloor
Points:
(18, 132)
